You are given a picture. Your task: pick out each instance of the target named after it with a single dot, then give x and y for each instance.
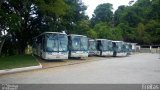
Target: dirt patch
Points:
(57, 63)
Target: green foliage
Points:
(25, 19)
(83, 27)
(74, 16)
(51, 6)
(92, 34)
(117, 34)
(103, 30)
(153, 29)
(140, 21)
(103, 13)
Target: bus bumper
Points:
(55, 56)
(92, 53)
(122, 54)
(107, 53)
(79, 54)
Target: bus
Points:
(78, 46)
(104, 47)
(128, 47)
(51, 46)
(133, 47)
(119, 48)
(92, 47)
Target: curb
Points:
(15, 70)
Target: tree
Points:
(142, 16)
(83, 27)
(128, 33)
(92, 34)
(103, 30)
(117, 34)
(103, 13)
(24, 18)
(142, 36)
(153, 29)
(74, 16)
(155, 12)
(119, 13)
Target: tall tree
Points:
(23, 18)
(103, 13)
(103, 30)
(119, 13)
(74, 15)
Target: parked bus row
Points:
(57, 45)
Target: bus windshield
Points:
(79, 43)
(92, 45)
(84, 43)
(52, 42)
(130, 47)
(119, 46)
(56, 42)
(110, 46)
(76, 43)
(104, 45)
(63, 42)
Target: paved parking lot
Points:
(134, 69)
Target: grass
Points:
(17, 61)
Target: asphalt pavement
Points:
(134, 69)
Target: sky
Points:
(92, 4)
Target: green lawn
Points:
(17, 61)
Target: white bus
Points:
(133, 46)
(78, 46)
(51, 46)
(119, 48)
(92, 47)
(128, 48)
(104, 47)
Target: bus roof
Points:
(117, 41)
(104, 39)
(49, 33)
(92, 40)
(76, 35)
(101, 39)
(52, 32)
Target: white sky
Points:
(92, 4)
